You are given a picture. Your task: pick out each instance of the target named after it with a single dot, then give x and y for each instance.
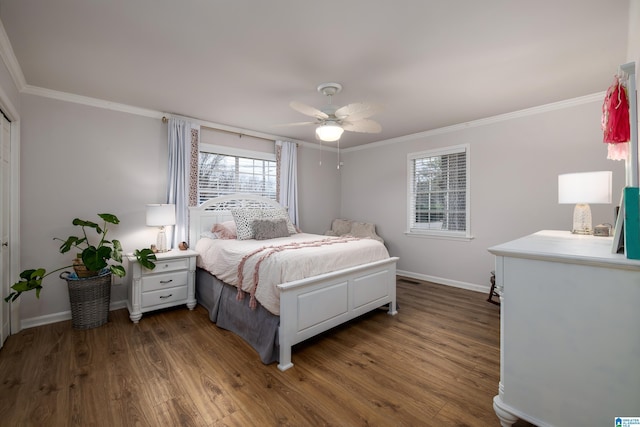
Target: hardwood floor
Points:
(434, 364)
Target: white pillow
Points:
(209, 235)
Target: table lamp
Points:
(582, 189)
(161, 215)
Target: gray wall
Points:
(78, 161)
(514, 170)
(318, 189)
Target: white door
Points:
(5, 222)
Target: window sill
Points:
(440, 236)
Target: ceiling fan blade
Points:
(307, 110)
(364, 126)
(295, 124)
(358, 111)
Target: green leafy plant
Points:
(96, 258)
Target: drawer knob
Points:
(166, 296)
(166, 281)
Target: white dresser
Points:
(170, 283)
(569, 331)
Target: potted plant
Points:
(90, 286)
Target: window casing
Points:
(224, 170)
(438, 192)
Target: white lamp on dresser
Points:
(581, 189)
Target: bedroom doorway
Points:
(5, 225)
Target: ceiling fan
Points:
(332, 121)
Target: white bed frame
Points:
(313, 305)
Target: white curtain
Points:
(287, 161)
(183, 136)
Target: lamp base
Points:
(582, 223)
(161, 241)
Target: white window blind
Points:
(438, 192)
(222, 174)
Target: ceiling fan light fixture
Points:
(329, 132)
(331, 121)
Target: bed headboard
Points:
(203, 217)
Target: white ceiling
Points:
(431, 63)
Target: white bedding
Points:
(222, 258)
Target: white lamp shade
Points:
(160, 215)
(585, 187)
(329, 132)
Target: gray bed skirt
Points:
(259, 328)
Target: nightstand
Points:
(171, 283)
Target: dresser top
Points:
(563, 246)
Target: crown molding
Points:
(10, 60)
(93, 102)
(486, 121)
(100, 103)
(154, 114)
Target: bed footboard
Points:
(313, 305)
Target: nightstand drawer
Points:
(163, 281)
(164, 296)
(169, 265)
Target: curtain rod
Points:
(165, 119)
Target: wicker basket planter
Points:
(81, 270)
(89, 298)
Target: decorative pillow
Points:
(244, 217)
(341, 226)
(225, 230)
(264, 229)
(279, 213)
(364, 230)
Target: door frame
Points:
(14, 199)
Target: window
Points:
(438, 183)
(225, 171)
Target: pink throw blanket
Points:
(267, 251)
